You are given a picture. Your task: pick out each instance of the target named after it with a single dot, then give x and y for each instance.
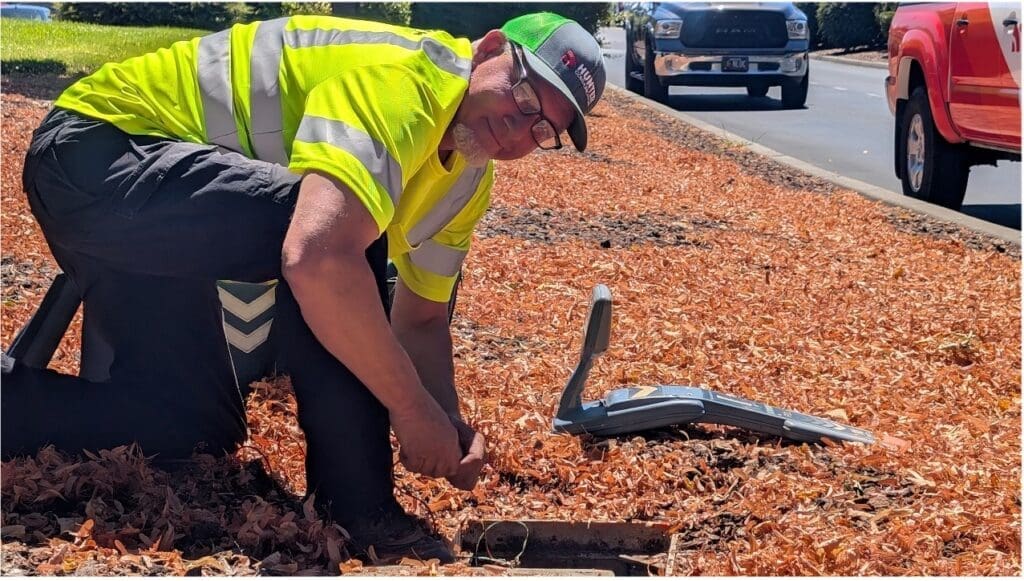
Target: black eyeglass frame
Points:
(524, 81)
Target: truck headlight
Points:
(797, 29)
(667, 28)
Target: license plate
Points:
(735, 64)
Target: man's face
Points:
(489, 124)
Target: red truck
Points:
(954, 88)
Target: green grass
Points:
(75, 48)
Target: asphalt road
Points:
(846, 128)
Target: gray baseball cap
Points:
(565, 55)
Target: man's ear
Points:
(491, 45)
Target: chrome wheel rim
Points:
(915, 152)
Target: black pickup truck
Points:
(752, 45)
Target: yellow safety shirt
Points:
(364, 102)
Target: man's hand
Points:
(430, 443)
(475, 449)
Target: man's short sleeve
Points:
(369, 127)
(431, 268)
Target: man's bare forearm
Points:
(429, 346)
(347, 318)
(323, 258)
(421, 325)
(324, 262)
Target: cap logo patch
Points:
(587, 80)
(569, 59)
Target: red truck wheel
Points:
(934, 170)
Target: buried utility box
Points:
(621, 549)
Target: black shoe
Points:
(394, 535)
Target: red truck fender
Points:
(917, 47)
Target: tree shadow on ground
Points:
(34, 67)
(724, 102)
(32, 79)
(1003, 214)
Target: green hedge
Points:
(473, 20)
(219, 15)
(811, 10)
(470, 20)
(270, 10)
(849, 25)
(205, 15)
(390, 12)
(883, 19)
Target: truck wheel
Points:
(632, 84)
(653, 89)
(757, 90)
(933, 169)
(794, 94)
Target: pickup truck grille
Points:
(734, 29)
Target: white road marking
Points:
(874, 95)
(840, 88)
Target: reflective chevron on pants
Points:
(248, 310)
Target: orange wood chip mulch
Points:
(727, 271)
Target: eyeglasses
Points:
(526, 99)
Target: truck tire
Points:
(757, 90)
(794, 94)
(933, 169)
(632, 84)
(653, 89)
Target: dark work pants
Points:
(144, 227)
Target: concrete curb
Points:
(850, 61)
(867, 190)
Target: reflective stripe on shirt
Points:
(265, 65)
(265, 94)
(437, 258)
(370, 152)
(214, 72)
(448, 207)
(442, 56)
